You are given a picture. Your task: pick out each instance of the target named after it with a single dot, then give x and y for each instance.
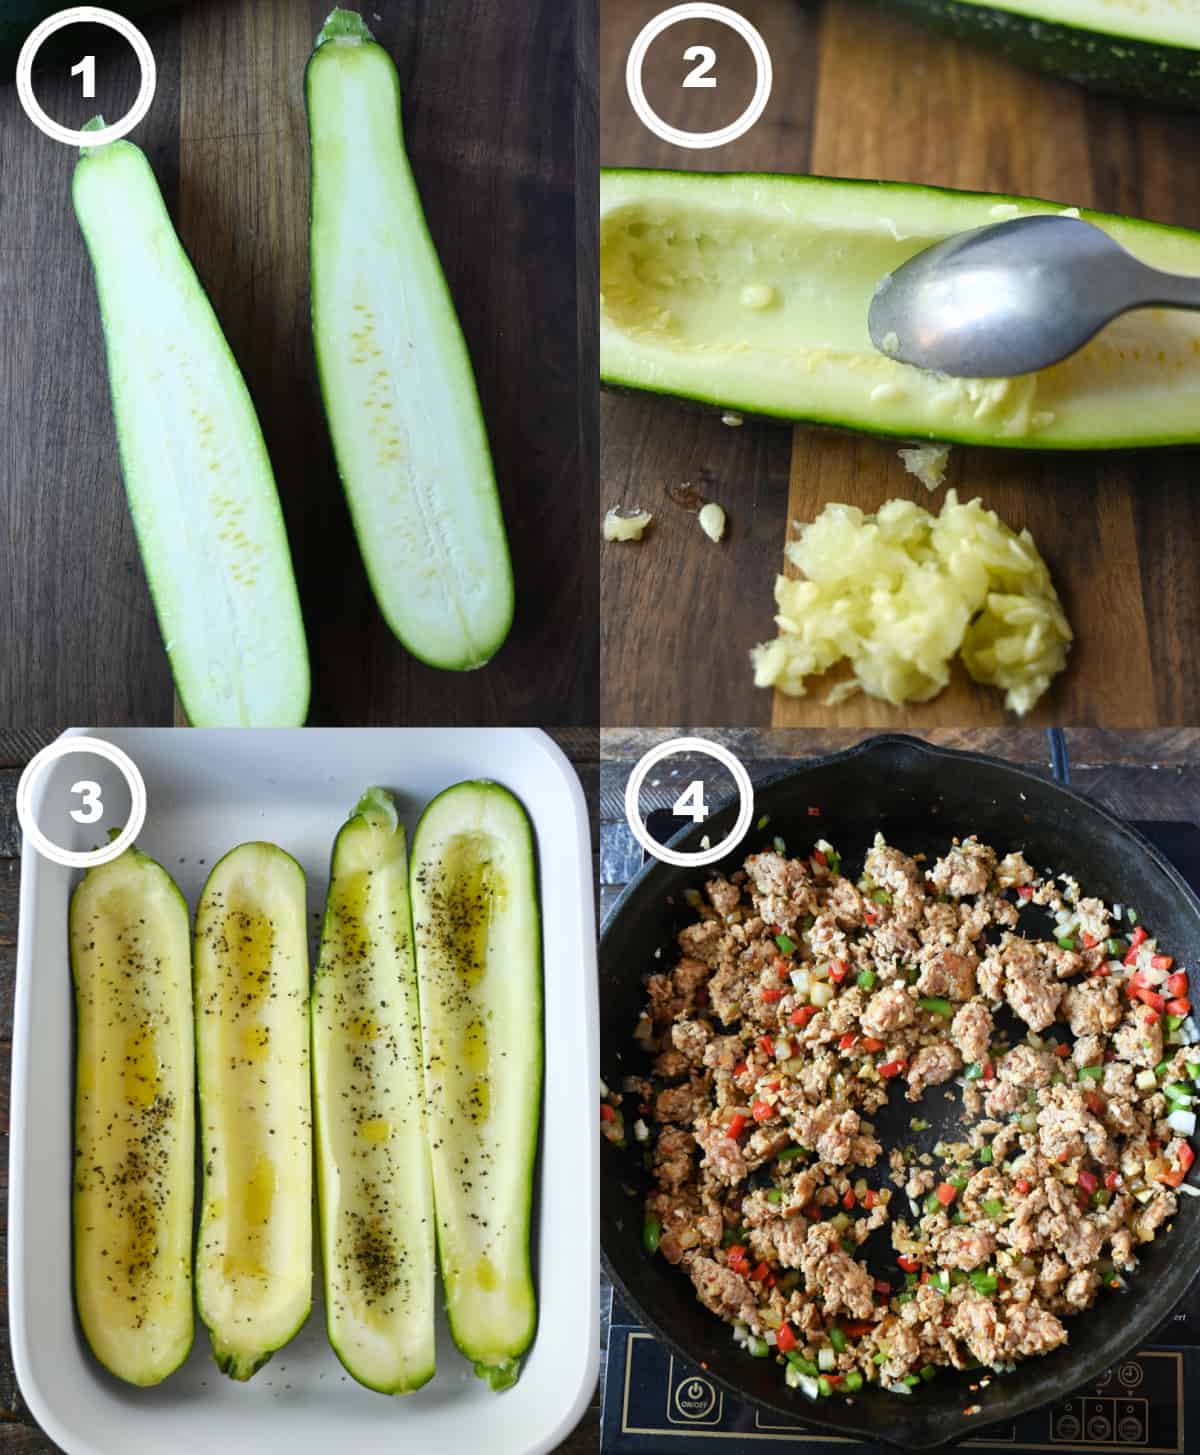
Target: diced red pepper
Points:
(910, 1265)
(1161, 962)
(774, 1085)
(1186, 1155)
(891, 1068)
(1023, 1185)
(924, 1275)
(1112, 1180)
(781, 969)
(770, 993)
(847, 1041)
(1154, 1144)
(1025, 891)
(848, 1199)
(762, 1111)
(1136, 982)
(1181, 1006)
(1150, 1015)
(737, 1125)
(945, 1193)
(813, 1212)
(1177, 984)
(1062, 1049)
(1153, 1000)
(766, 1045)
(858, 1328)
(870, 1198)
(838, 970)
(819, 856)
(761, 1273)
(834, 1378)
(1131, 956)
(813, 811)
(1088, 1181)
(1094, 1103)
(737, 1259)
(870, 916)
(1101, 972)
(882, 1286)
(1089, 940)
(607, 1113)
(871, 1045)
(785, 1339)
(989, 1071)
(1140, 933)
(740, 1070)
(802, 1015)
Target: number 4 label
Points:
(691, 804)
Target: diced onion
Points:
(1146, 1081)
(1183, 1122)
(826, 1359)
(821, 993)
(641, 1131)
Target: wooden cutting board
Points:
(860, 93)
(489, 101)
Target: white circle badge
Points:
(74, 16)
(76, 859)
(698, 10)
(676, 856)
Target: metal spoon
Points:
(1014, 297)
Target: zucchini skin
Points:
(1144, 69)
(497, 1366)
(120, 1362)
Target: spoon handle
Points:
(1169, 290)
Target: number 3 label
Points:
(92, 806)
(698, 75)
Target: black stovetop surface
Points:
(653, 1402)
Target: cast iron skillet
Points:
(919, 796)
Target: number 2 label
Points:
(691, 804)
(698, 75)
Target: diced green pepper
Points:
(824, 1388)
(837, 1338)
(985, 1154)
(789, 1154)
(932, 1205)
(993, 1207)
(1132, 916)
(1115, 947)
(774, 1194)
(927, 1372)
(1065, 942)
(905, 1297)
(805, 1366)
(937, 1004)
(786, 944)
(865, 978)
(1101, 1197)
(854, 1381)
(780, 846)
(1178, 1091)
(957, 1180)
(974, 1071)
(651, 1233)
(1174, 1022)
(1090, 1073)
(881, 896)
(759, 1348)
(912, 1380)
(984, 1282)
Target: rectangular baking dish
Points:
(207, 791)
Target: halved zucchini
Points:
(750, 293)
(373, 1176)
(407, 430)
(196, 470)
(475, 916)
(1145, 48)
(254, 1256)
(134, 1173)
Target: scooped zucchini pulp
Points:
(400, 398)
(200, 487)
(254, 1251)
(132, 1185)
(476, 923)
(750, 293)
(1149, 48)
(373, 1174)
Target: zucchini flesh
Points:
(199, 482)
(400, 398)
(373, 1175)
(1150, 49)
(476, 922)
(134, 1120)
(750, 293)
(254, 1255)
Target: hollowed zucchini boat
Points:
(254, 1251)
(1147, 48)
(750, 293)
(132, 1185)
(373, 1174)
(477, 929)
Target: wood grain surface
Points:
(19, 1432)
(492, 116)
(860, 93)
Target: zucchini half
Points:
(476, 921)
(1149, 49)
(199, 482)
(373, 1175)
(400, 398)
(254, 1253)
(134, 1173)
(750, 293)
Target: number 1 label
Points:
(87, 69)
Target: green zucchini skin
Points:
(477, 927)
(404, 416)
(714, 354)
(199, 482)
(254, 1247)
(133, 1180)
(374, 1181)
(1121, 64)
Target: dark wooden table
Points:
(18, 1431)
(494, 112)
(860, 93)
(1140, 775)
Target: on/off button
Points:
(693, 1401)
